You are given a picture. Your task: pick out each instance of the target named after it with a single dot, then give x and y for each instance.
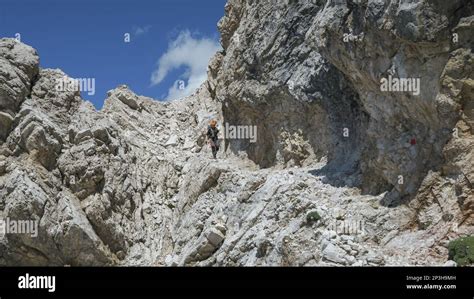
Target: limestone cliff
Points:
(133, 183)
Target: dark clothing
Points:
(212, 135)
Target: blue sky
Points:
(170, 41)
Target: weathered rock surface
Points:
(390, 174)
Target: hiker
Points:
(212, 137)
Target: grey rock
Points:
(109, 187)
(334, 254)
(450, 264)
(215, 236)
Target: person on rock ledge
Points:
(212, 137)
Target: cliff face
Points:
(133, 184)
(314, 69)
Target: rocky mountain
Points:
(364, 150)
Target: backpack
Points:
(212, 133)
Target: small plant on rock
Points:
(462, 251)
(312, 217)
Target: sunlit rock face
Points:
(347, 139)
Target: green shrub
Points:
(462, 251)
(312, 217)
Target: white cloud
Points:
(192, 53)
